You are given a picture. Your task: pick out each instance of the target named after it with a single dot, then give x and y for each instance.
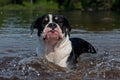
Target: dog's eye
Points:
(45, 20)
(58, 20)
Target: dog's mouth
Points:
(52, 37)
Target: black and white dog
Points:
(54, 32)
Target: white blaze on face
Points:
(50, 18)
(50, 21)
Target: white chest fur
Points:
(60, 54)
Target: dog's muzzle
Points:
(52, 26)
(52, 31)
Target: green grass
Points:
(26, 5)
(12, 6)
(78, 5)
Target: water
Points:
(17, 48)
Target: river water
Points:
(102, 29)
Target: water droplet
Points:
(38, 74)
(113, 59)
(14, 65)
(91, 62)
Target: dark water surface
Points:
(102, 29)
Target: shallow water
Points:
(17, 47)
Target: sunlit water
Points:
(17, 48)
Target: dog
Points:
(54, 32)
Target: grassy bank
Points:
(26, 5)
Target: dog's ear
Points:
(67, 26)
(36, 25)
(33, 25)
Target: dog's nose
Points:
(52, 26)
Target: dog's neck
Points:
(60, 52)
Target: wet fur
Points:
(67, 50)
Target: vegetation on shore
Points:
(84, 5)
(28, 5)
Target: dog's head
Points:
(51, 26)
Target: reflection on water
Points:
(94, 21)
(102, 29)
